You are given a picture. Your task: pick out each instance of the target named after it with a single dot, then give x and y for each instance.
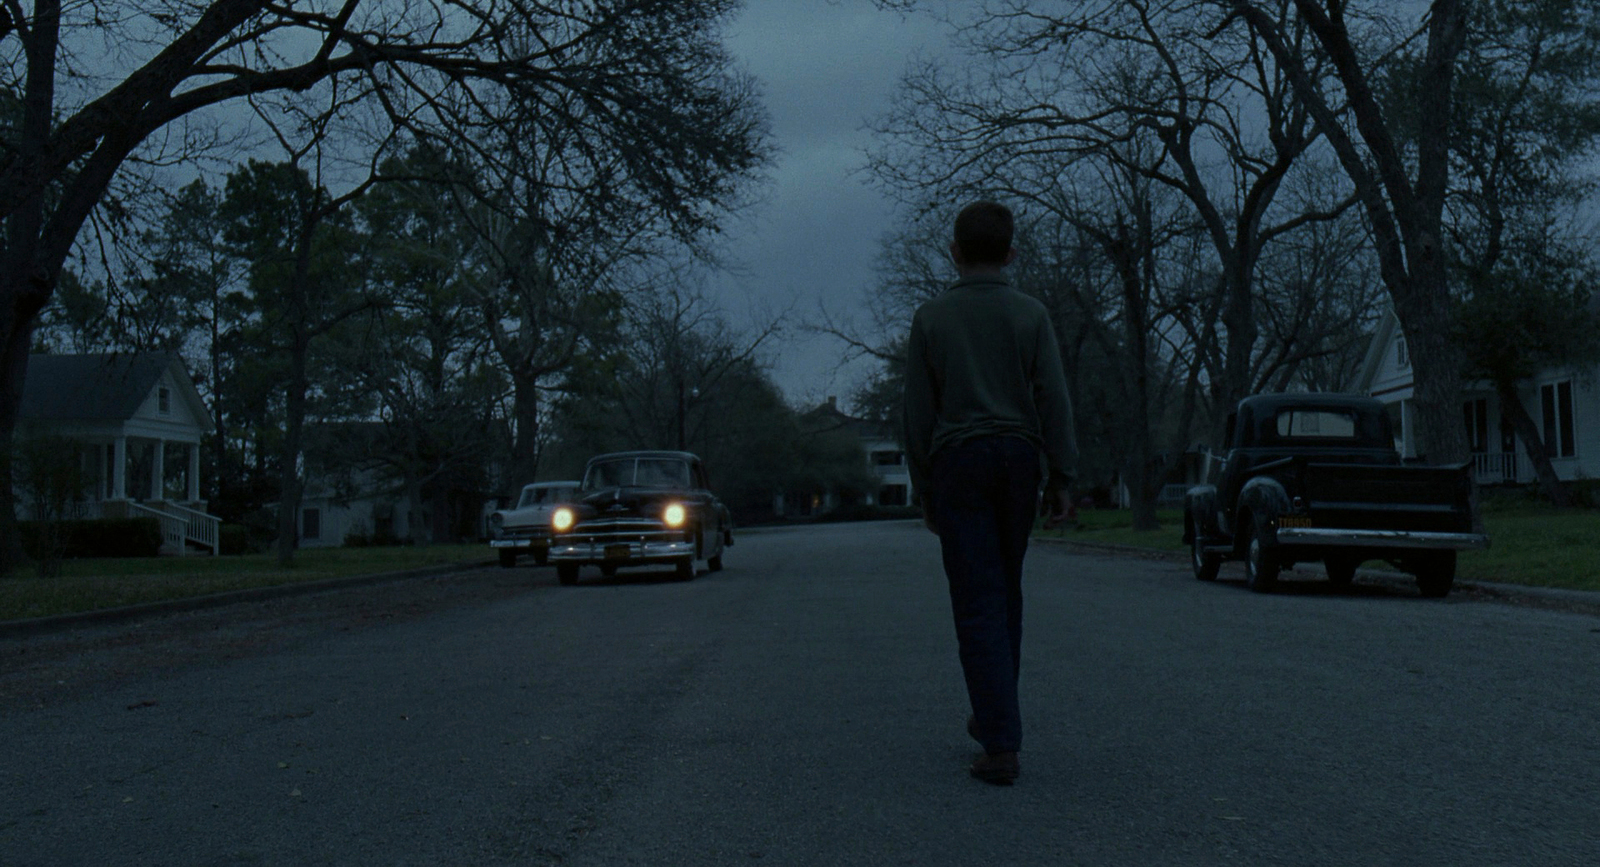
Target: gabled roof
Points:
(828, 417)
(101, 387)
(1377, 348)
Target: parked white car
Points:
(525, 528)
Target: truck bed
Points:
(1406, 498)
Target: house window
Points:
(310, 523)
(1402, 356)
(164, 400)
(1476, 413)
(1556, 402)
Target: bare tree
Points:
(445, 71)
(1085, 78)
(1402, 190)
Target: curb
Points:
(101, 616)
(1497, 589)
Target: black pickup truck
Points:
(1311, 477)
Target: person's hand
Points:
(1057, 507)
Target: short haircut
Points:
(983, 233)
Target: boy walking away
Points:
(985, 399)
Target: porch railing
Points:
(181, 525)
(1494, 468)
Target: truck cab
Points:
(1316, 476)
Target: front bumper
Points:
(521, 543)
(620, 551)
(1323, 537)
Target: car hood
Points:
(632, 500)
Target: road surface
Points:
(804, 706)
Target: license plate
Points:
(1294, 521)
(617, 552)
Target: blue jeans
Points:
(985, 494)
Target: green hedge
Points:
(120, 537)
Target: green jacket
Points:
(983, 360)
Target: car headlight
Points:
(563, 519)
(674, 515)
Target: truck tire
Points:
(1436, 574)
(567, 573)
(1204, 562)
(1260, 561)
(1341, 570)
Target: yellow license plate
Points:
(1294, 521)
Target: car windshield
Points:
(638, 472)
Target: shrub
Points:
(234, 539)
(107, 537)
(863, 512)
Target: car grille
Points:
(615, 530)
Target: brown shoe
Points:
(972, 729)
(1001, 769)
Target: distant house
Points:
(354, 490)
(1563, 402)
(347, 495)
(137, 421)
(880, 449)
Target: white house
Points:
(138, 421)
(1563, 402)
(344, 496)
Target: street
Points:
(804, 706)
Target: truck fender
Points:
(1200, 512)
(1263, 498)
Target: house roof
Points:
(99, 387)
(828, 417)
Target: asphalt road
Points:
(804, 706)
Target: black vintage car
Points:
(1310, 477)
(644, 508)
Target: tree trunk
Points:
(289, 472)
(1436, 364)
(1139, 459)
(524, 465)
(1512, 410)
(16, 334)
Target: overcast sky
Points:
(826, 68)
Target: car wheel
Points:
(541, 557)
(1205, 563)
(508, 558)
(567, 573)
(714, 564)
(1260, 562)
(1436, 574)
(1341, 570)
(685, 569)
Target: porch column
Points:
(194, 472)
(158, 472)
(119, 468)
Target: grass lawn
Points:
(86, 585)
(1530, 545)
